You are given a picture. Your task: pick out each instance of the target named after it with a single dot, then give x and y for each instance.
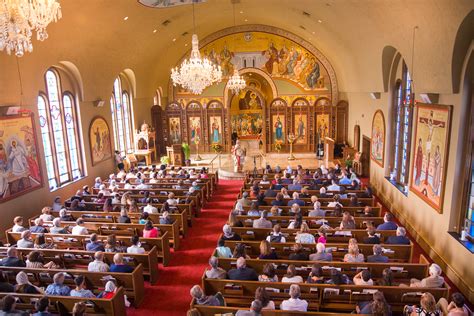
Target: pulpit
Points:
(328, 150)
(176, 154)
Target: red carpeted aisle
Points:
(171, 294)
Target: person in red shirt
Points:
(149, 231)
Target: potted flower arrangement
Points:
(187, 153)
(165, 160)
(217, 148)
(278, 146)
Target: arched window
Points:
(59, 130)
(122, 117)
(157, 97)
(403, 118)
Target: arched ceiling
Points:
(351, 34)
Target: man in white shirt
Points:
(98, 265)
(149, 208)
(171, 200)
(294, 303)
(79, 229)
(136, 247)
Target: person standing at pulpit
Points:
(238, 155)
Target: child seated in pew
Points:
(222, 251)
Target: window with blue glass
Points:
(121, 109)
(59, 130)
(403, 118)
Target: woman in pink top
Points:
(322, 236)
(149, 231)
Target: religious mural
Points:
(300, 127)
(19, 162)
(195, 129)
(175, 130)
(215, 131)
(99, 137)
(278, 130)
(377, 146)
(322, 126)
(278, 56)
(247, 124)
(431, 150)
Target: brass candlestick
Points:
(291, 139)
(198, 158)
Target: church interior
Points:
(237, 157)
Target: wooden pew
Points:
(179, 194)
(205, 310)
(74, 259)
(356, 211)
(120, 229)
(132, 283)
(334, 222)
(400, 270)
(398, 253)
(344, 202)
(332, 235)
(78, 242)
(112, 217)
(319, 296)
(94, 306)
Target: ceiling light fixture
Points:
(154, 31)
(18, 19)
(320, 21)
(196, 73)
(236, 82)
(125, 18)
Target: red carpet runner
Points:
(171, 294)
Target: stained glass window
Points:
(402, 116)
(59, 126)
(122, 116)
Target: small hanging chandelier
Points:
(18, 19)
(236, 82)
(196, 73)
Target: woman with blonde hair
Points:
(304, 236)
(347, 222)
(353, 254)
(233, 221)
(46, 214)
(266, 251)
(284, 191)
(427, 307)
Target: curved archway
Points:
(388, 54)
(71, 70)
(464, 38)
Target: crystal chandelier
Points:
(196, 73)
(236, 82)
(18, 20)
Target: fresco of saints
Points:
(313, 76)
(272, 54)
(226, 64)
(284, 58)
(323, 129)
(18, 160)
(418, 162)
(3, 156)
(215, 131)
(301, 127)
(437, 171)
(278, 129)
(195, 130)
(32, 160)
(294, 55)
(174, 131)
(431, 125)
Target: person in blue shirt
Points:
(345, 180)
(42, 307)
(119, 266)
(296, 200)
(58, 288)
(81, 289)
(94, 244)
(388, 224)
(38, 227)
(334, 186)
(296, 186)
